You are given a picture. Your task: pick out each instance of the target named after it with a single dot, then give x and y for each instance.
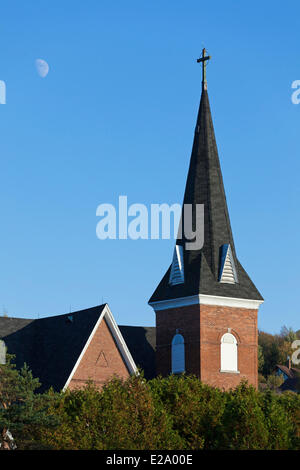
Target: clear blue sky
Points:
(114, 116)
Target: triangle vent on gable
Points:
(177, 269)
(101, 360)
(227, 273)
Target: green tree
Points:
(123, 415)
(244, 425)
(274, 381)
(21, 410)
(196, 409)
(261, 359)
(291, 404)
(176, 412)
(288, 334)
(280, 427)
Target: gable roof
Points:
(292, 383)
(205, 186)
(291, 372)
(52, 346)
(118, 339)
(18, 335)
(141, 342)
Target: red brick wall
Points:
(101, 360)
(202, 327)
(187, 320)
(214, 322)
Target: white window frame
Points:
(229, 354)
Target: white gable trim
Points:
(206, 300)
(116, 333)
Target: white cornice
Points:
(203, 299)
(116, 333)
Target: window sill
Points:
(230, 371)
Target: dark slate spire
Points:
(204, 185)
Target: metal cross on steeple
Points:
(203, 59)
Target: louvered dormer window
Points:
(227, 273)
(177, 269)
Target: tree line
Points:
(176, 412)
(273, 350)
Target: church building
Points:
(206, 305)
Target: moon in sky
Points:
(42, 67)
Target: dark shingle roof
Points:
(205, 186)
(18, 335)
(290, 372)
(51, 346)
(141, 344)
(291, 384)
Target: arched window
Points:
(178, 359)
(229, 353)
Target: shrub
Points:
(243, 420)
(121, 416)
(195, 409)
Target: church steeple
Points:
(214, 269)
(206, 305)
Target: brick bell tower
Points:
(206, 304)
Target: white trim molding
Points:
(229, 371)
(203, 299)
(116, 333)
